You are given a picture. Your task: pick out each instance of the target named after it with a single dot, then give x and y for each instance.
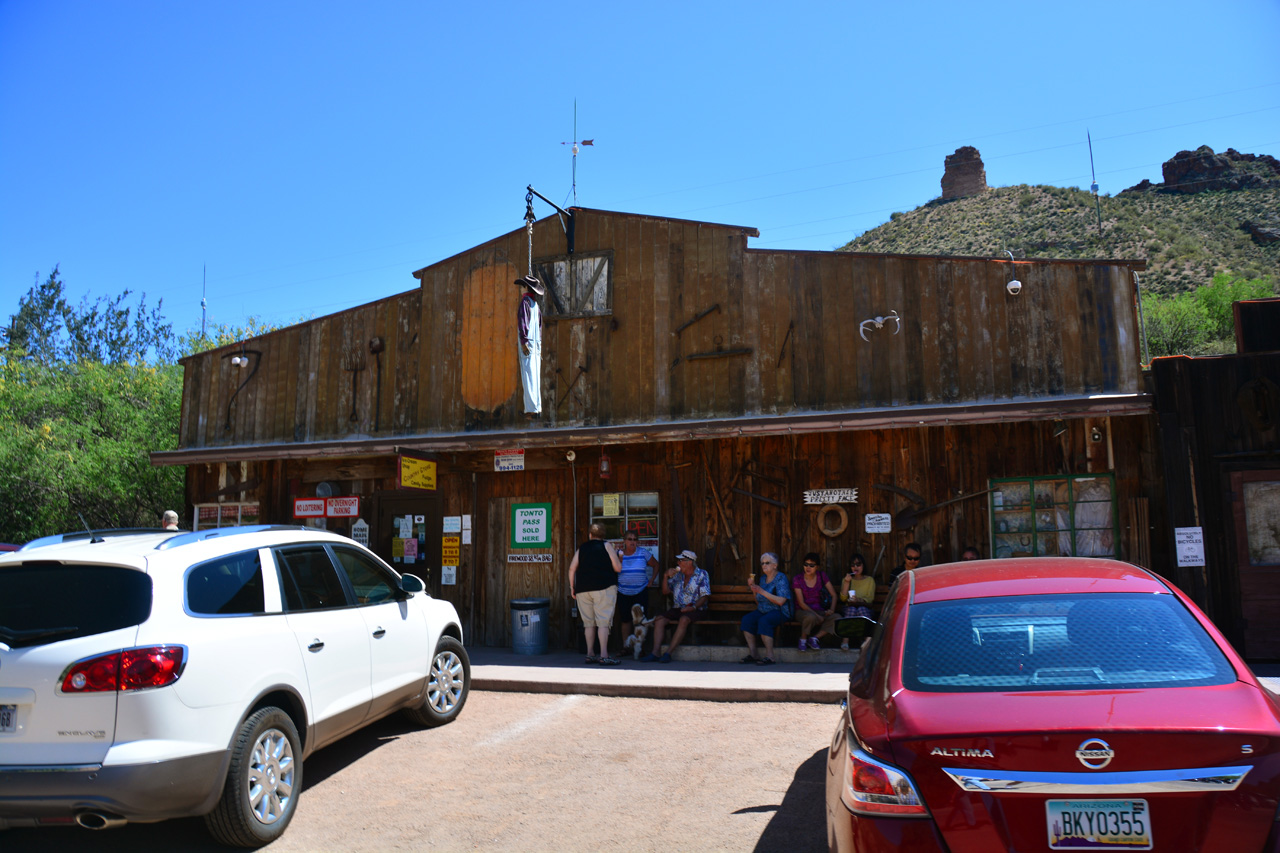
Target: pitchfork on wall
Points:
(353, 362)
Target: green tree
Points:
(1217, 296)
(74, 443)
(1175, 325)
(49, 329)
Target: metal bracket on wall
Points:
(714, 309)
(240, 359)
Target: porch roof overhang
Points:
(1040, 409)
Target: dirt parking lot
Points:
(544, 772)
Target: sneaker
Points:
(606, 661)
(813, 644)
(844, 645)
(804, 647)
(666, 658)
(649, 658)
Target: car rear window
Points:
(44, 602)
(227, 586)
(1058, 642)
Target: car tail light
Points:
(130, 669)
(874, 788)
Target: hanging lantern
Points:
(606, 467)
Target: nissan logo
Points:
(1095, 753)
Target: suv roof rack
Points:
(91, 535)
(202, 535)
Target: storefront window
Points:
(620, 512)
(225, 515)
(1063, 516)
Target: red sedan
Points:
(1051, 704)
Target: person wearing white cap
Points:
(690, 590)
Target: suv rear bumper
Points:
(141, 793)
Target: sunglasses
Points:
(811, 565)
(912, 559)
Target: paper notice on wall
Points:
(410, 550)
(449, 575)
(451, 524)
(878, 522)
(1189, 543)
(397, 549)
(466, 522)
(406, 527)
(466, 536)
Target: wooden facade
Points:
(1219, 426)
(725, 379)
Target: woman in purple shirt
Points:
(809, 587)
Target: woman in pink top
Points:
(815, 602)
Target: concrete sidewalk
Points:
(710, 673)
(718, 677)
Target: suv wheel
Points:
(447, 685)
(263, 782)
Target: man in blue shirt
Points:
(633, 582)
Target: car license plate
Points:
(8, 718)
(1098, 825)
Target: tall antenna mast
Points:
(204, 303)
(1093, 187)
(575, 150)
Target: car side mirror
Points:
(410, 584)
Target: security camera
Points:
(569, 455)
(1014, 287)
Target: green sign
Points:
(531, 525)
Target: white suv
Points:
(146, 675)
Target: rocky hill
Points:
(1213, 213)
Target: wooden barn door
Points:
(505, 580)
(1256, 509)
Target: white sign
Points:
(342, 507)
(508, 460)
(878, 522)
(360, 532)
(831, 496)
(419, 519)
(452, 524)
(449, 575)
(1189, 543)
(466, 522)
(308, 508)
(466, 536)
(406, 528)
(528, 558)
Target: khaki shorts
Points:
(596, 607)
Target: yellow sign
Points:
(416, 473)
(397, 548)
(611, 504)
(450, 548)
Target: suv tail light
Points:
(129, 669)
(874, 788)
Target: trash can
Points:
(529, 625)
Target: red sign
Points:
(308, 508)
(342, 507)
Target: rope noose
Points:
(528, 225)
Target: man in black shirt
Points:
(910, 560)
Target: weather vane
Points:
(575, 145)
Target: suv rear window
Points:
(1058, 642)
(227, 586)
(43, 602)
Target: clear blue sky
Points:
(313, 154)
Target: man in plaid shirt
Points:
(690, 590)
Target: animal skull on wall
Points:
(878, 323)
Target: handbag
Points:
(824, 597)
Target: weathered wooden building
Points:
(715, 385)
(1219, 422)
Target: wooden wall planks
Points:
(1071, 331)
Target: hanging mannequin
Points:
(530, 352)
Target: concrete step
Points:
(785, 654)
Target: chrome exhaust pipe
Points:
(99, 820)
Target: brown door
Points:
(1256, 507)
(422, 513)
(536, 573)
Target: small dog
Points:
(639, 630)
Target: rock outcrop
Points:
(964, 175)
(1262, 233)
(1202, 171)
